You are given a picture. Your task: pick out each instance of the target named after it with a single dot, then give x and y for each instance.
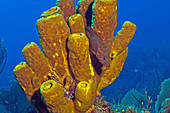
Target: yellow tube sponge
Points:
(29, 83)
(67, 6)
(53, 41)
(76, 24)
(78, 60)
(113, 71)
(105, 20)
(79, 57)
(53, 95)
(52, 11)
(83, 96)
(83, 91)
(123, 38)
(36, 60)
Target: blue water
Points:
(148, 58)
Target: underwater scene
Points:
(85, 56)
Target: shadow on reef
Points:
(3, 55)
(14, 100)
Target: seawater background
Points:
(147, 64)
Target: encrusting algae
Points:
(68, 75)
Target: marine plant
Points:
(80, 56)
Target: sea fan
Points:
(164, 94)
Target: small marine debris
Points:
(101, 106)
(69, 94)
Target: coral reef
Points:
(101, 106)
(77, 61)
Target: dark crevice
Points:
(38, 103)
(88, 15)
(96, 64)
(71, 72)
